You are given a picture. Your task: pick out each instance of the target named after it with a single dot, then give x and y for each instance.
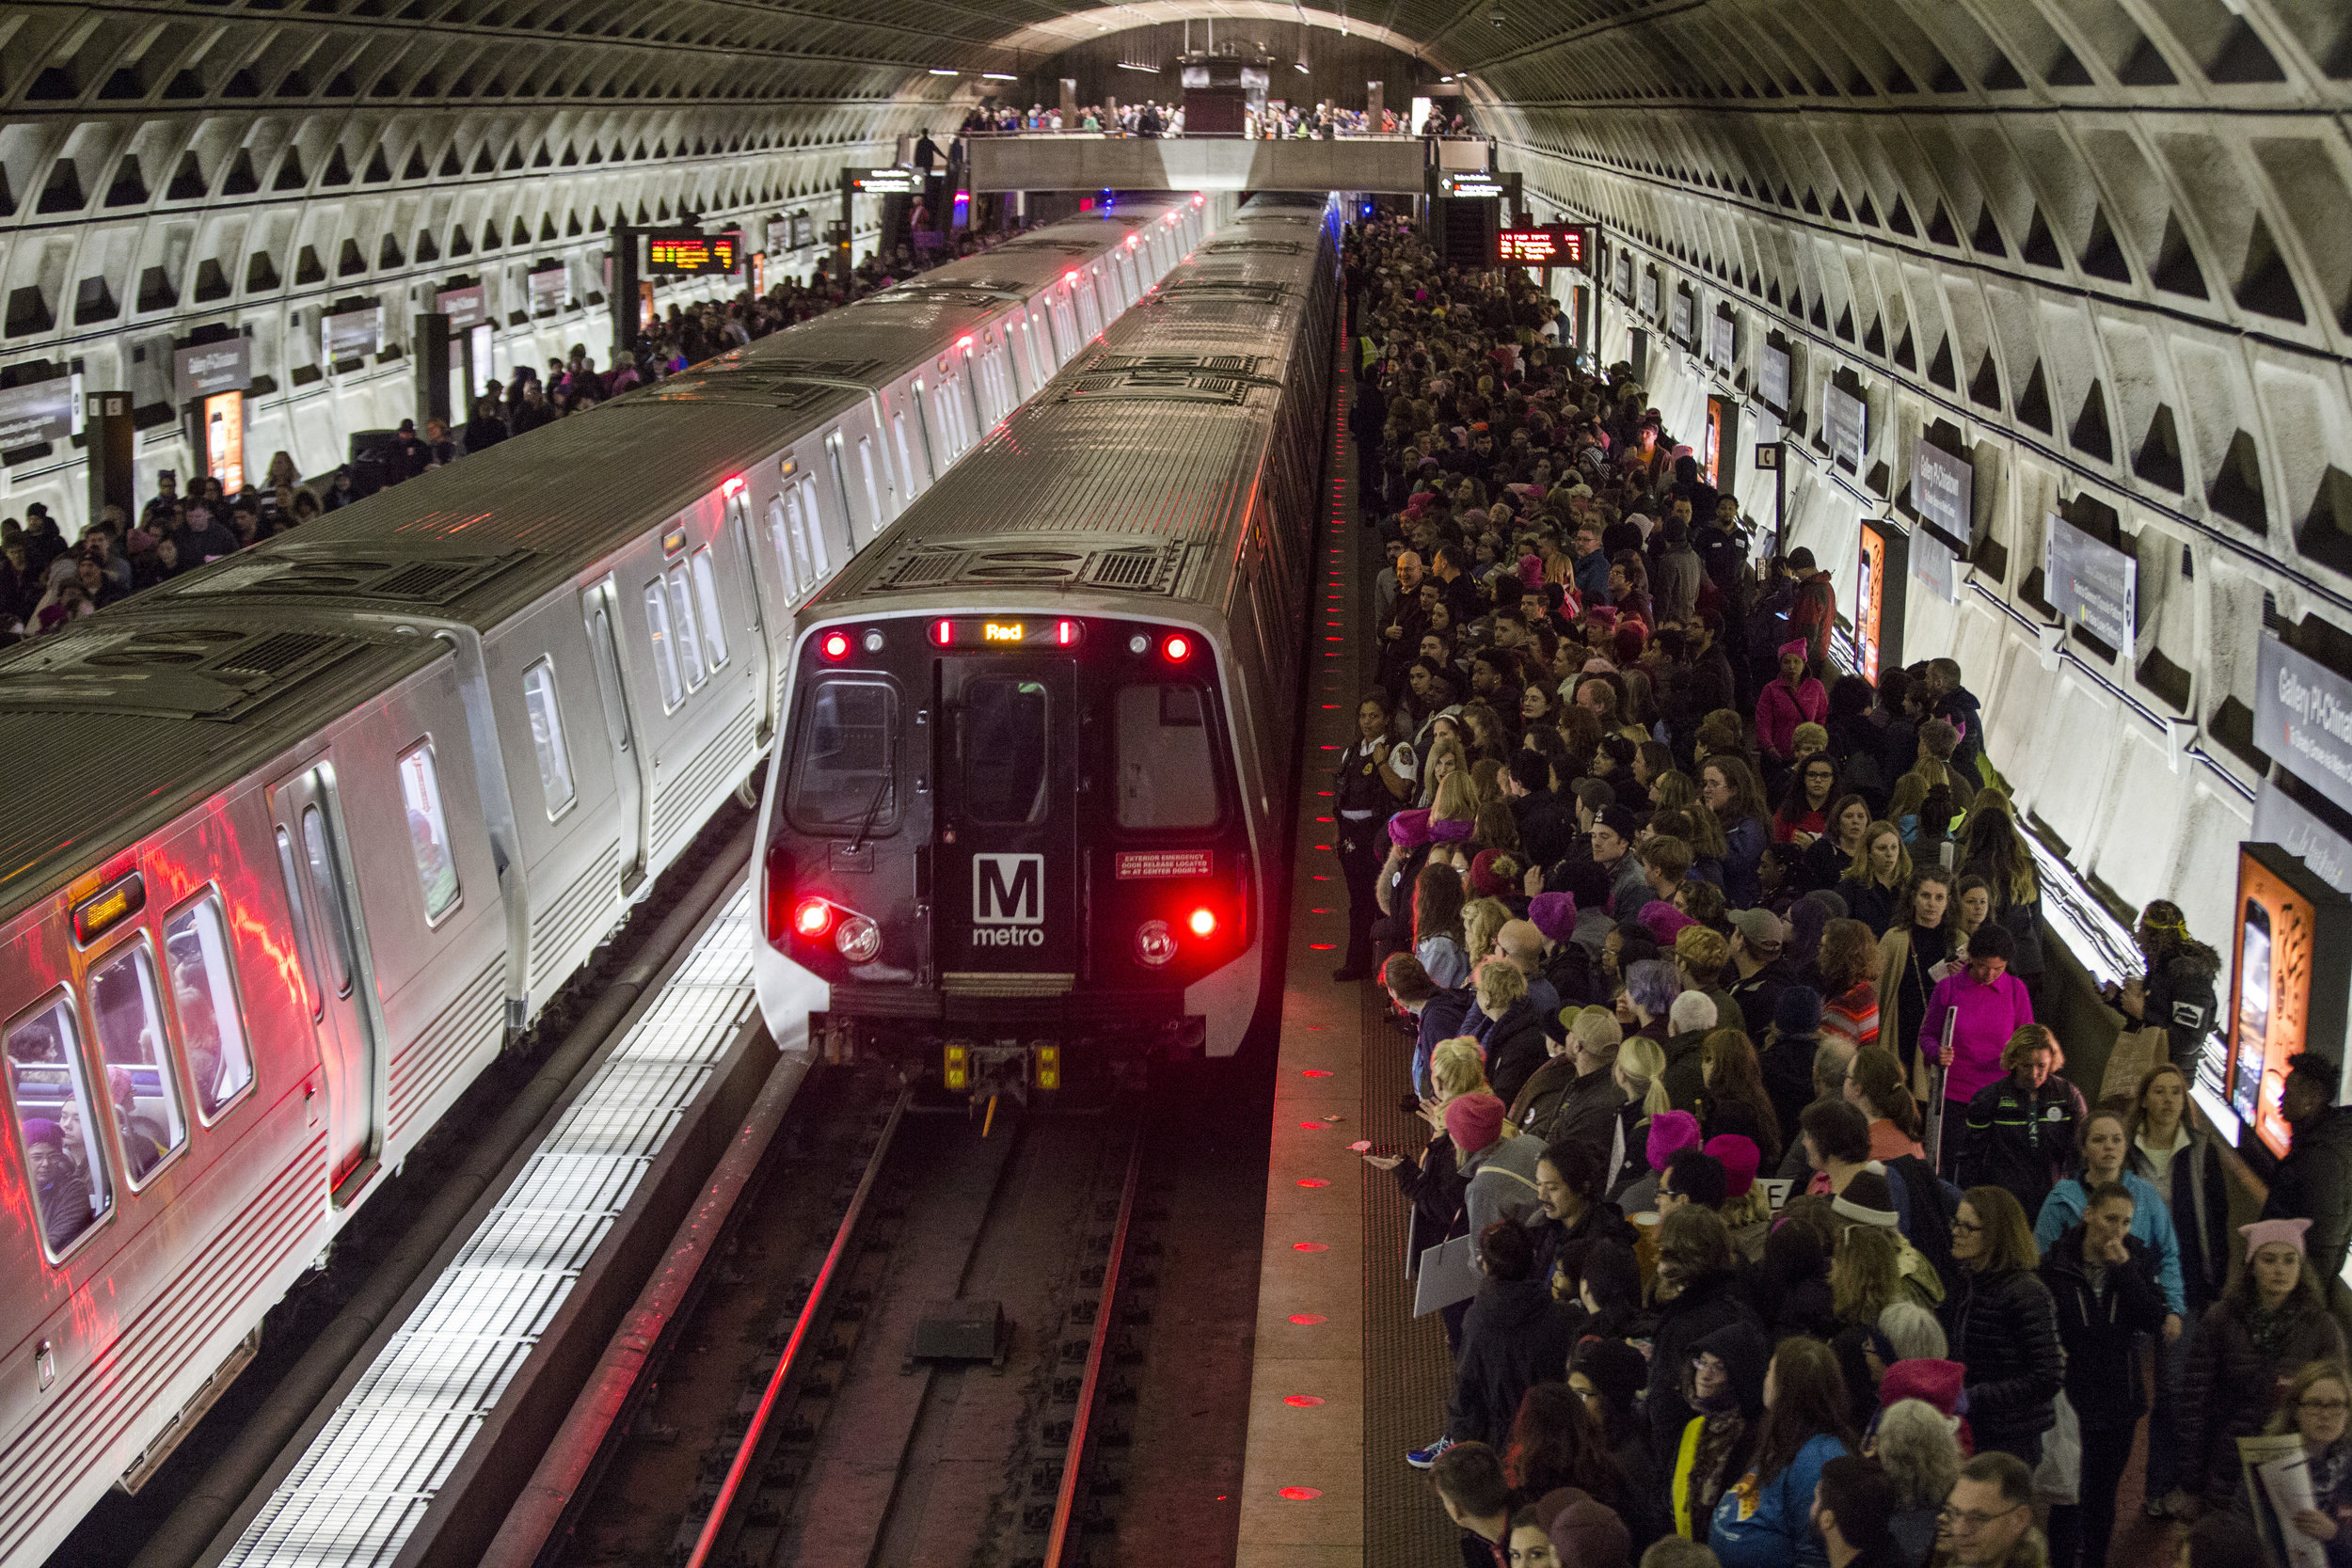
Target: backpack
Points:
(1933, 1203)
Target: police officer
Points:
(1375, 778)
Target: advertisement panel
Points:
(198, 373)
(351, 334)
(1719, 452)
(224, 440)
(547, 290)
(1869, 606)
(1943, 492)
(2303, 716)
(2270, 992)
(1685, 310)
(1625, 273)
(1845, 422)
(2090, 581)
(1772, 379)
(1720, 341)
(2282, 820)
(1649, 295)
(35, 412)
(467, 308)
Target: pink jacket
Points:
(1778, 712)
(1989, 1015)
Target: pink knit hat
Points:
(1410, 830)
(2262, 1232)
(1669, 1134)
(1797, 646)
(1474, 1120)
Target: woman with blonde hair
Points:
(1872, 886)
(1641, 1076)
(1456, 800)
(1446, 758)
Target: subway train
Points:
(1030, 811)
(295, 842)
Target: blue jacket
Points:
(1742, 882)
(1440, 1020)
(1771, 1525)
(2152, 1226)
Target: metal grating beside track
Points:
(374, 1469)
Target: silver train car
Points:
(1029, 814)
(294, 842)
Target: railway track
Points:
(934, 1378)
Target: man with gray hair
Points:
(1523, 945)
(1687, 1024)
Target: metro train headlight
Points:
(1155, 943)
(857, 940)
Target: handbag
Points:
(2134, 1053)
(2059, 1477)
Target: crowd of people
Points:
(1791, 1242)
(48, 582)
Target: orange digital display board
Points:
(1557, 244)
(2270, 1007)
(685, 253)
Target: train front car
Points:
(1026, 820)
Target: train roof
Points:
(482, 540)
(1133, 474)
(120, 722)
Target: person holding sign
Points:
(2317, 1410)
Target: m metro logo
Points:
(1009, 900)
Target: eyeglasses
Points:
(2324, 1408)
(1959, 1226)
(1973, 1518)
(1669, 1192)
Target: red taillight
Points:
(812, 918)
(734, 488)
(1065, 632)
(1177, 648)
(1201, 921)
(835, 645)
(944, 633)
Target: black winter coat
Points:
(1705, 1306)
(1587, 1114)
(2315, 1181)
(2100, 1329)
(2003, 1328)
(1515, 1336)
(2230, 1387)
(1514, 1044)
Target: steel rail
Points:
(1058, 1542)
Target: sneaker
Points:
(1421, 1459)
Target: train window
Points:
(845, 772)
(1014, 356)
(816, 527)
(874, 519)
(204, 998)
(1006, 722)
(841, 488)
(320, 857)
(298, 904)
(428, 833)
(128, 1016)
(664, 651)
(682, 618)
(923, 429)
(706, 602)
(780, 535)
(547, 738)
(49, 1092)
(906, 455)
(1167, 777)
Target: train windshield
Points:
(1166, 771)
(1004, 722)
(844, 773)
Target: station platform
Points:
(1346, 1379)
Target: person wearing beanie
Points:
(1988, 1006)
(1692, 1018)
(1715, 1413)
(1583, 1531)
(1610, 1374)
(1663, 921)
(1494, 1159)
(1612, 835)
(1747, 1213)
(2270, 1321)
(1792, 698)
(1868, 1200)
(1786, 1059)
(1669, 1134)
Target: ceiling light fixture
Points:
(999, 76)
(942, 71)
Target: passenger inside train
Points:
(1785, 922)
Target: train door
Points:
(599, 607)
(315, 861)
(1007, 861)
(763, 604)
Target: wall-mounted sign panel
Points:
(2089, 580)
